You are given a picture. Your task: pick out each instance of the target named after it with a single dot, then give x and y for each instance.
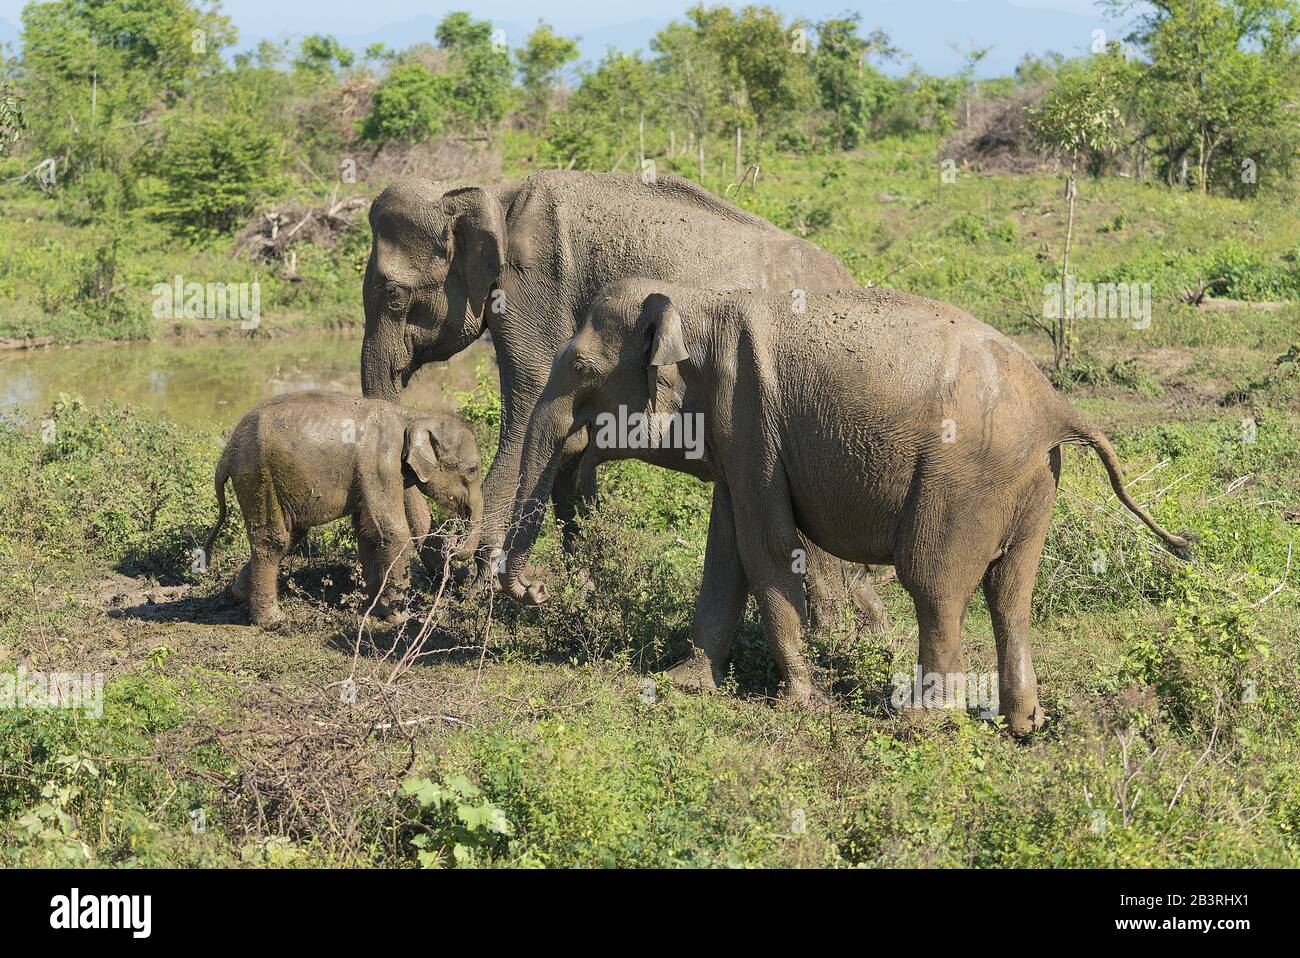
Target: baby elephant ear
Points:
(421, 452)
(662, 325)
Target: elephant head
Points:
(434, 258)
(618, 367)
(441, 458)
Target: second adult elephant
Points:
(884, 427)
(524, 260)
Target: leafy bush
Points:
(411, 105)
(460, 827)
(977, 229)
(214, 169)
(121, 483)
(1199, 665)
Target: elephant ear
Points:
(661, 328)
(421, 450)
(478, 243)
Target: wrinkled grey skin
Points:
(305, 459)
(884, 427)
(829, 582)
(524, 260)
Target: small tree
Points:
(542, 57)
(851, 89)
(459, 31)
(689, 74)
(214, 169)
(12, 120)
(480, 84)
(411, 105)
(321, 54)
(1078, 115)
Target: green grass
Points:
(549, 738)
(1144, 663)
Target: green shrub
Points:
(411, 105)
(1199, 664)
(214, 169)
(459, 827)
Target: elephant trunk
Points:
(472, 514)
(551, 425)
(380, 376)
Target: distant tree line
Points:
(144, 110)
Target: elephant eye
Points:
(397, 296)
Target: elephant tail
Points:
(222, 511)
(1079, 431)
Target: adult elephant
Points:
(524, 260)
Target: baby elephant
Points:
(305, 459)
(886, 428)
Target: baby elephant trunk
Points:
(471, 513)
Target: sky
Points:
(928, 30)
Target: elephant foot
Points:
(239, 585)
(802, 695)
(694, 675)
(390, 613)
(269, 619)
(921, 717)
(872, 610)
(1023, 715)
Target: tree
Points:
(12, 120)
(322, 54)
(690, 76)
(1079, 114)
(98, 72)
(410, 105)
(601, 120)
(460, 31)
(480, 84)
(1221, 73)
(214, 169)
(971, 59)
(764, 60)
(542, 57)
(850, 89)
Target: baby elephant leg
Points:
(240, 585)
(384, 550)
(269, 538)
(768, 541)
(835, 588)
(268, 547)
(721, 604)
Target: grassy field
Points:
(499, 736)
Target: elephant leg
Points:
(572, 496)
(1009, 588)
(767, 538)
(833, 586)
(240, 584)
(428, 546)
(263, 583)
(941, 575)
(867, 601)
(384, 549)
(721, 604)
(939, 623)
